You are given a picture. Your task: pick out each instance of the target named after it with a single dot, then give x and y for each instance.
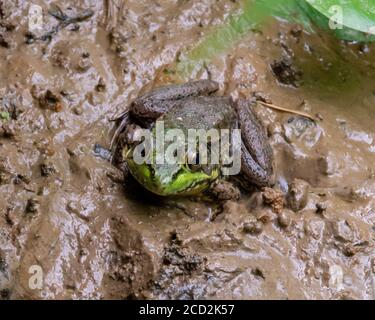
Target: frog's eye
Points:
(192, 157)
(207, 169)
(193, 162)
(193, 167)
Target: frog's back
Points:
(201, 113)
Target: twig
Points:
(300, 113)
(64, 21)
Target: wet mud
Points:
(65, 208)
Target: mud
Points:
(64, 207)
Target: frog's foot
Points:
(154, 104)
(132, 134)
(224, 191)
(125, 135)
(122, 122)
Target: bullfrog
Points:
(193, 105)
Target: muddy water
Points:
(65, 209)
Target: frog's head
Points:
(171, 179)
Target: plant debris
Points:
(282, 109)
(65, 21)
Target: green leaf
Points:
(358, 17)
(347, 19)
(251, 15)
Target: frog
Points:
(194, 104)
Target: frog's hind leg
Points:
(123, 121)
(157, 102)
(256, 152)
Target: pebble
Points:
(321, 207)
(298, 194)
(32, 205)
(47, 169)
(284, 219)
(78, 110)
(253, 227)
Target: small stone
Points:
(5, 41)
(50, 101)
(100, 87)
(5, 294)
(258, 272)
(78, 110)
(321, 207)
(298, 194)
(273, 198)
(284, 219)
(349, 250)
(8, 130)
(296, 32)
(84, 63)
(274, 128)
(32, 205)
(47, 169)
(72, 207)
(261, 96)
(286, 72)
(224, 191)
(36, 91)
(4, 178)
(253, 227)
(265, 218)
(74, 27)
(19, 178)
(342, 231)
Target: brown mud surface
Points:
(65, 209)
